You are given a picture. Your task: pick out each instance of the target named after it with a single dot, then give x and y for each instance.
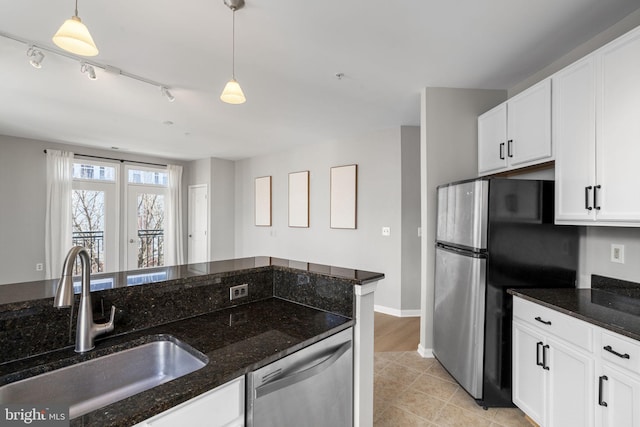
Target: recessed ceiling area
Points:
(287, 56)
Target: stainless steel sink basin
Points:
(90, 385)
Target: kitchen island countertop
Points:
(236, 340)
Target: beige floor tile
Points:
(420, 404)
(462, 400)
(399, 373)
(434, 386)
(379, 363)
(387, 389)
(413, 360)
(438, 371)
(397, 417)
(389, 355)
(511, 417)
(453, 416)
(379, 406)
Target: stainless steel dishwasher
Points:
(312, 387)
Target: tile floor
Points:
(412, 391)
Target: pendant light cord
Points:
(76, 7)
(233, 44)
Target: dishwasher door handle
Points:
(297, 377)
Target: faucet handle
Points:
(103, 328)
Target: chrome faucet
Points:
(86, 330)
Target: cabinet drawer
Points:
(550, 321)
(620, 351)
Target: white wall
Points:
(449, 152)
(379, 159)
(22, 210)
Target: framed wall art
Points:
(344, 196)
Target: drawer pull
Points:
(544, 358)
(546, 322)
(610, 350)
(601, 380)
(538, 345)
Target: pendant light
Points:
(73, 36)
(232, 93)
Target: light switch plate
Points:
(617, 253)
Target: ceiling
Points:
(288, 53)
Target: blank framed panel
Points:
(344, 196)
(299, 199)
(263, 201)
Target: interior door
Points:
(198, 227)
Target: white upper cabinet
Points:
(596, 132)
(516, 133)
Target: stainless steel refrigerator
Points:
(492, 235)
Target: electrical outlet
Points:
(617, 253)
(39, 266)
(239, 291)
(386, 231)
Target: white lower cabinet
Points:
(567, 372)
(220, 407)
(618, 398)
(551, 380)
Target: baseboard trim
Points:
(395, 312)
(427, 353)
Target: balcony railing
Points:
(150, 248)
(93, 241)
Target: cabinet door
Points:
(574, 136)
(570, 387)
(620, 393)
(529, 126)
(492, 140)
(618, 131)
(528, 376)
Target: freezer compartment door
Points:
(462, 214)
(458, 342)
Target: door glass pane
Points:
(88, 215)
(150, 221)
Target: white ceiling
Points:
(287, 55)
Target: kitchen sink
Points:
(95, 383)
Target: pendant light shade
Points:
(232, 93)
(73, 36)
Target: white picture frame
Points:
(344, 196)
(299, 199)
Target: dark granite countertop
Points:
(26, 291)
(235, 340)
(610, 310)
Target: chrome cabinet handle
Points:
(612, 351)
(601, 380)
(586, 198)
(546, 322)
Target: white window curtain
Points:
(174, 253)
(58, 229)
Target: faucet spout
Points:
(86, 330)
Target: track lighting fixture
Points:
(165, 92)
(35, 57)
(232, 93)
(73, 36)
(89, 70)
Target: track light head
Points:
(89, 70)
(165, 92)
(35, 57)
